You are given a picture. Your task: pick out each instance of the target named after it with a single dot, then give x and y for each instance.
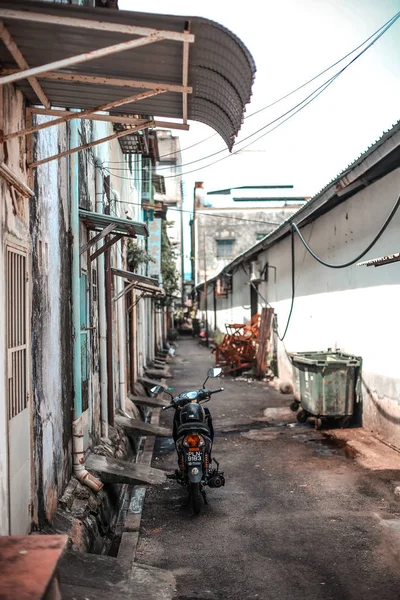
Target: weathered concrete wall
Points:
(51, 325)
(242, 226)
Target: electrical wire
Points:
(182, 210)
(385, 26)
(351, 262)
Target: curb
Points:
(130, 536)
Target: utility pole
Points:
(205, 288)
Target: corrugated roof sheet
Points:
(221, 69)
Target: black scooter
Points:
(193, 441)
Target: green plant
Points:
(136, 256)
(170, 275)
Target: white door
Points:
(17, 393)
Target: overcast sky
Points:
(291, 41)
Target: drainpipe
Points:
(79, 468)
(101, 286)
(121, 323)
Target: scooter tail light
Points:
(206, 460)
(182, 462)
(193, 440)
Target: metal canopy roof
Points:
(97, 222)
(139, 282)
(205, 78)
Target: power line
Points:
(378, 33)
(182, 210)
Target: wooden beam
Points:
(97, 238)
(123, 471)
(21, 62)
(113, 81)
(185, 76)
(15, 181)
(33, 17)
(86, 114)
(147, 401)
(109, 118)
(110, 242)
(81, 58)
(132, 426)
(90, 144)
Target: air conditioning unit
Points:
(255, 271)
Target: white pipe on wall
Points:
(101, 288)
(121, 323)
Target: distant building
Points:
(228, 222)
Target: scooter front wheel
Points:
(195, 497)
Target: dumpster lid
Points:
(324, 359)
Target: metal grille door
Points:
(16, 332)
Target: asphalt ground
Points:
(299, 517)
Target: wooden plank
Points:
(147, 401)
(263, 341)
(113, 470)
(160, 373)
(28, 565)
(135, 425)
(148, 382)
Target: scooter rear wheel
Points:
(195, 497)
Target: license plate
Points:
(194, 457)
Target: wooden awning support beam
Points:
(81, 58)
(15, 181)
(21, 62)
(114, 81)
(33, 17)
(185, 78)
(91, 144)
(86, 114)
(97, 238)
(110, 242)
(108, 118)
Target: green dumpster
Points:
(329, 384)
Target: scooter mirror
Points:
(215, 372)
(157, 389)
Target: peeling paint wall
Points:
(14, 230)
(51, 324)
(240, 226)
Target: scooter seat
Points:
(194, 426)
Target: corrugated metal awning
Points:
(139, 282)
(207, 71)
(109, 227)
(126, 227)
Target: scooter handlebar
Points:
(221, 389)
(169, 406)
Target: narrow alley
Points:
(299, 517)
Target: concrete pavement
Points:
(301, 517)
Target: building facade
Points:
(227, 222)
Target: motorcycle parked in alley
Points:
(193, 435)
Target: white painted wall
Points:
(354, 309)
